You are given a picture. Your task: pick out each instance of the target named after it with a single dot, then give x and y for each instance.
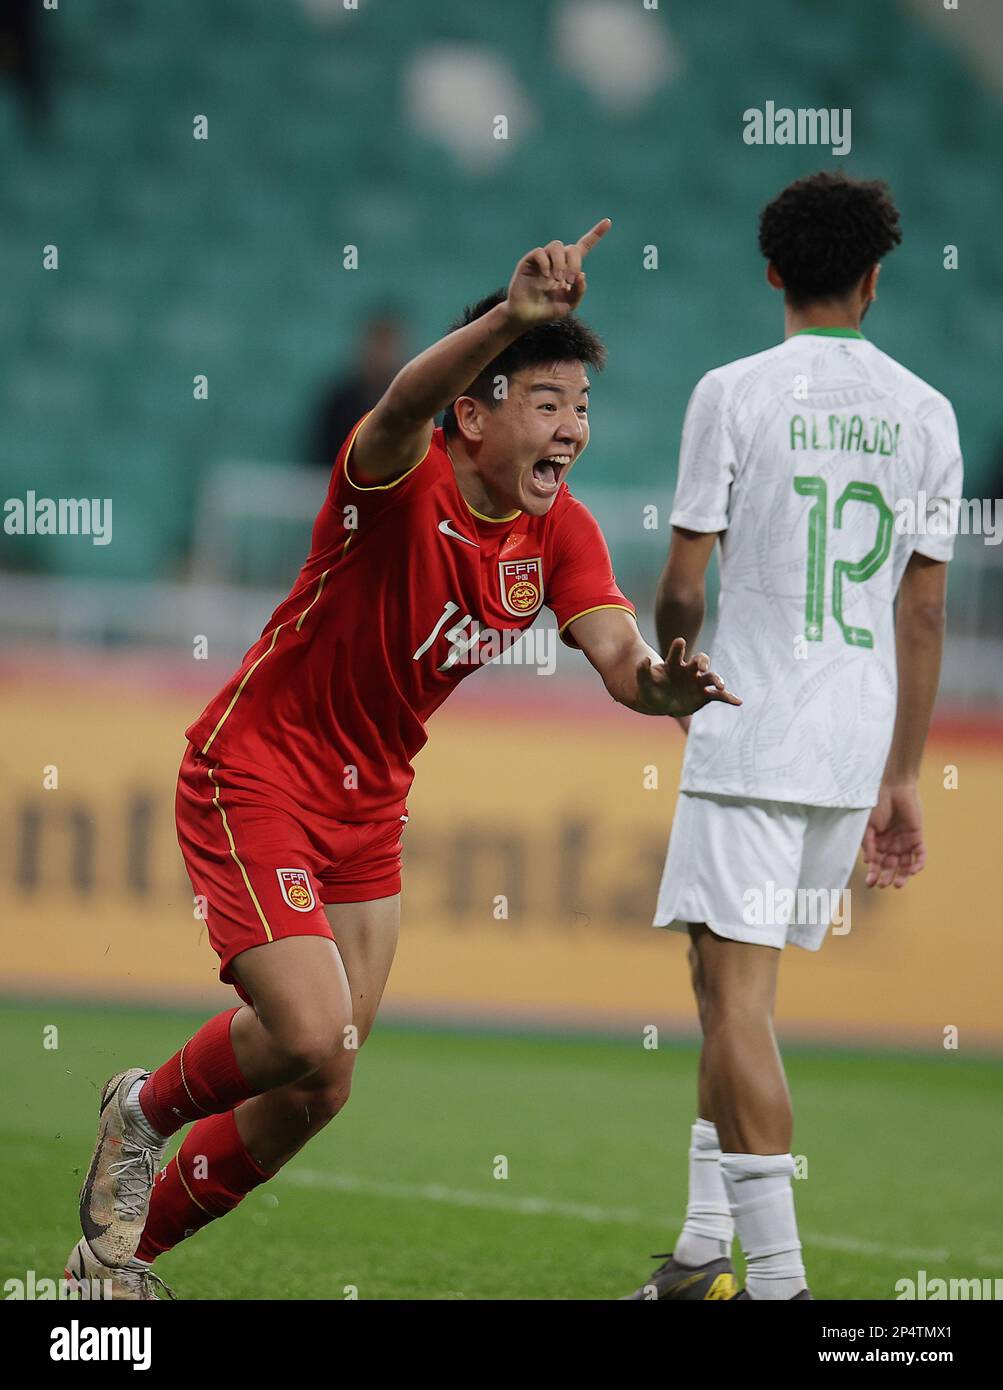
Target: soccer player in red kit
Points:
(291, 799)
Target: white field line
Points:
(577, 1211)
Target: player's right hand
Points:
(549, 283)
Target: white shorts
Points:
(769, 872)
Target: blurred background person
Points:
(23, 60)
(370, 366)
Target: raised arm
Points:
(894, 849)
(636, 676)
(547, 283)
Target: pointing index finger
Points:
(585, 243)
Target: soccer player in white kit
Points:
(804, 461)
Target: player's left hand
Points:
(893, 841)
(680, 687)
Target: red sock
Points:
(209, 1175)
(202, 1079)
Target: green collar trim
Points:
(831, 333)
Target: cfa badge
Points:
(296, 890)
(521, 585)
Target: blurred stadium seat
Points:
(224, 256)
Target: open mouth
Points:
(548, 472)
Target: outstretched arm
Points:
(894, 849)
(548, 283)
(636, 676)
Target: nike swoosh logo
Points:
(92, 1229)
(686, 1283)
(447, 530)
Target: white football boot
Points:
(115, 1196)
(92, 1280)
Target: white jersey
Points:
(812, 458)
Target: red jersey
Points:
(386, 618)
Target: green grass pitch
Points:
(398, 1196)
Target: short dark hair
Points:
(824, 232)
(558, 340)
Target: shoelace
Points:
(144, 1282)
(135, 1178)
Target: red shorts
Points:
(263, 868)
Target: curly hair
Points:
(824, 232)
(559, 340)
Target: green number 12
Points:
(856, 571)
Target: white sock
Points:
(137, 1116)
(762, 1203)
(708, 1230)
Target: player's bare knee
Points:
(721, 1014)
(323, 1103)
(305, 1046)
